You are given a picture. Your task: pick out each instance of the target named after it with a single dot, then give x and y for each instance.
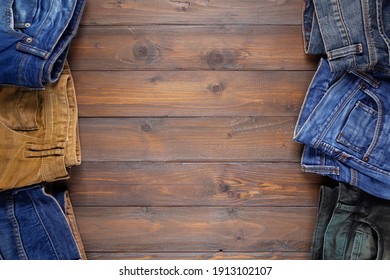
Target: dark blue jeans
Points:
(33, 226)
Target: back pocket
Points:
(359, 129)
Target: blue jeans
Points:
(33, 226)
(34, 39)
(345, 125)
(354, 34)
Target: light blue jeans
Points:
(353, 34)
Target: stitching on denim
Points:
(67, 42)
(381, 26)
(43, 225)
(378, 126)
(372, 53)
(354, 177)
(16, 229)
(345, 29)
(296, 132)
(308, 120)
(9, 16)
(366, 77)
(64, 216)
(329, 148)
(334, 114)
(375, 227)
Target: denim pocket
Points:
(364, 246)
(24, 12)
(359, 129)
(21, 109)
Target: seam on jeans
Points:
(381, 25)
(332, 149)
(329, 225)
(354, 177)
(366, 77)
(16, 229)
(43, 225)
(372, 54)
(70, 37)
(378, 126)
(296, 132)
(9, 15)
(308, 120)
(64, 216)
(336, 113)
(345, 28)
(375, 227)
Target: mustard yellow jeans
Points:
(39, 137)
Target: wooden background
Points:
(187, 110)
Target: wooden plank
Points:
(189, 139)
(192, 184)
(190, 48)
(201, 256)
(190, 93)
(119, 12)
(196, 229)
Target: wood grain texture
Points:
(189, 139)
(190, 93)
(201, 256)
(187, 116)
(196, 229)
(232, 48)
(123, 184)
(133, 12)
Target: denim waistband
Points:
(353, 34)
(35, 39)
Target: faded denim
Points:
(351, 225)
(353, 34)
(34, 39)
(345, 123)
(34, 225)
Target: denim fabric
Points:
(33, 226)
(345, 123)
(39, 136)
(351, 224)
(354, 34)
(34, 39)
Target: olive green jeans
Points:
(351, 224)
(39, 137)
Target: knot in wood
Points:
(146, 51)
(222, 59)
(146, 127)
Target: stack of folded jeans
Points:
(39, 129)
(345, 118)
